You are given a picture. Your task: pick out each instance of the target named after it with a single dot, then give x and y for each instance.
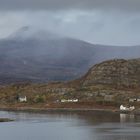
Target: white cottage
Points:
(123, 108)
(69, 100)
(22, 99)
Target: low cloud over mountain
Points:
(42, 56)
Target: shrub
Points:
(39, 99)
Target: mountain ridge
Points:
(56, 59)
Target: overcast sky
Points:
(114, 22)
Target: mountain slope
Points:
(42, 56)
(114, 80)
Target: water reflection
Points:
(70, 126)
(127, 117)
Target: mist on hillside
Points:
(41, 56)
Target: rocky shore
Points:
(5, 120)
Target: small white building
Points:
(69, 100)
(22, 99)
(132, 99)
(123, 108)
(131, 108)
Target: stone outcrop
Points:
(117, 72)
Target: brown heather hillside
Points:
(117, 73)
(111, 81)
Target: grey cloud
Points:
(128, 5)
(95, 27)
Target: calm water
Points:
(70, 126)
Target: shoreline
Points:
(67, 110)
(33, 109)
(43, 109)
